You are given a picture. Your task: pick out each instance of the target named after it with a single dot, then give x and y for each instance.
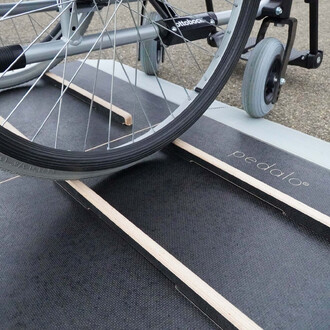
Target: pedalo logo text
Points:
(271, 169)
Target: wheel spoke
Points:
(72, 10)
(113, 74)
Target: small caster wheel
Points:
(151, 51)
(261, 77)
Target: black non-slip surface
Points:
(62, 268)
(275, 272)
(290, 174)
(309, 183)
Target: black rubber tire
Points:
(56, 164)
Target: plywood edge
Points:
(250, 180)
(127, 117)
(179, 270)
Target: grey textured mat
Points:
(272, 270)
(63, 268)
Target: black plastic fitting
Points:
(8, 55)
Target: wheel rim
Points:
(273, 80)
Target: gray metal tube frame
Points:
(48, 50)
(27, 6)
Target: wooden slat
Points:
(10, 179)
(190, 279)
(11, 128)
(201, 288)
(267, 189)
(127, 117)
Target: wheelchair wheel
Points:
(261, 77)
(58, 144)
(151, 51)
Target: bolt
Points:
(212, 21)
(318, 60)
(278, 11)
(174, 29)
(275, 79)
(282, 81)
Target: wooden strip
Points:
(120, 112)
(11, 128)
(201, 288)
(10, 179)
(269, 190)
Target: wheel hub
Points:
(272, 81)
